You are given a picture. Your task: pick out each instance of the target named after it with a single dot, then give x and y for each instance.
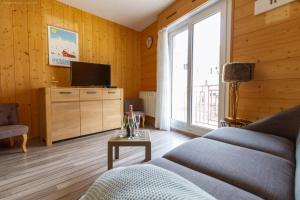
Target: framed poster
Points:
(63, 46)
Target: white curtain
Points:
(163, 95)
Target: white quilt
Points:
(144, 182)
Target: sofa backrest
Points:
(297, 176)
(8, 114)
(284, 124)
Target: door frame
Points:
(225, 7)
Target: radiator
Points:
(149, 98)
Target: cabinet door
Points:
(91, 117)
(111, 114)
(65, 120)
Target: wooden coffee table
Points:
(117, 141)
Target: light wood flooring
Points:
(67, 169)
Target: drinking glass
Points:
(131, 127)
(123, 129)
(137, 123)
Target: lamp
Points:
(235, 73)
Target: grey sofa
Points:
(260, 161)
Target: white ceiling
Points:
(135, 14)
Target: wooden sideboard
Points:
(72, 112)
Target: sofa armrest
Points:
(284, 124)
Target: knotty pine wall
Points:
(272, 40)
(148, 72)
(24, 51)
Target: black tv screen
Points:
(90, 74)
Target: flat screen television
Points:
(90, 74)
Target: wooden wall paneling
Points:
(24, 47)
(110, 42)
(287, 68)
(148, 58)
(106, 42)
(21, 59)
(125, 78)
(7, 69)
(68, 18)
(137, 63)
(35, 60)
(253, 23)
(95, 40)
(46, 10)
(240, 3)
(116, 69)
(102, 41)
(243, 11)
(284, 33)
(272, 41)
(115, 60)
(118, 58)
(126, 61)
(272, 89)
(255, 109)
(87, 37)
(177, 10)
(79, 29)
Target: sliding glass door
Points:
(197, 49)
(206, 71)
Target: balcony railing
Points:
(205, 105)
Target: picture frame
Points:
(62, 46)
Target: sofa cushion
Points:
(217, 188)
(12, 130)
(265, 175)
(272, 144)
(297, 175)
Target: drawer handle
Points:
(91, 92)
(65, 92)
(111, 92)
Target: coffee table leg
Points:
(116, 152)
(109, 156)
(148, 152)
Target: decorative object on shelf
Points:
(149, 42)
(262, 6)
(235, 73)
(238, 123)
(63, 46)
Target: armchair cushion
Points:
(12, 130)
(3, 119)
(138, 104)
(8, 114)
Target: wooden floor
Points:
(66, 170)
